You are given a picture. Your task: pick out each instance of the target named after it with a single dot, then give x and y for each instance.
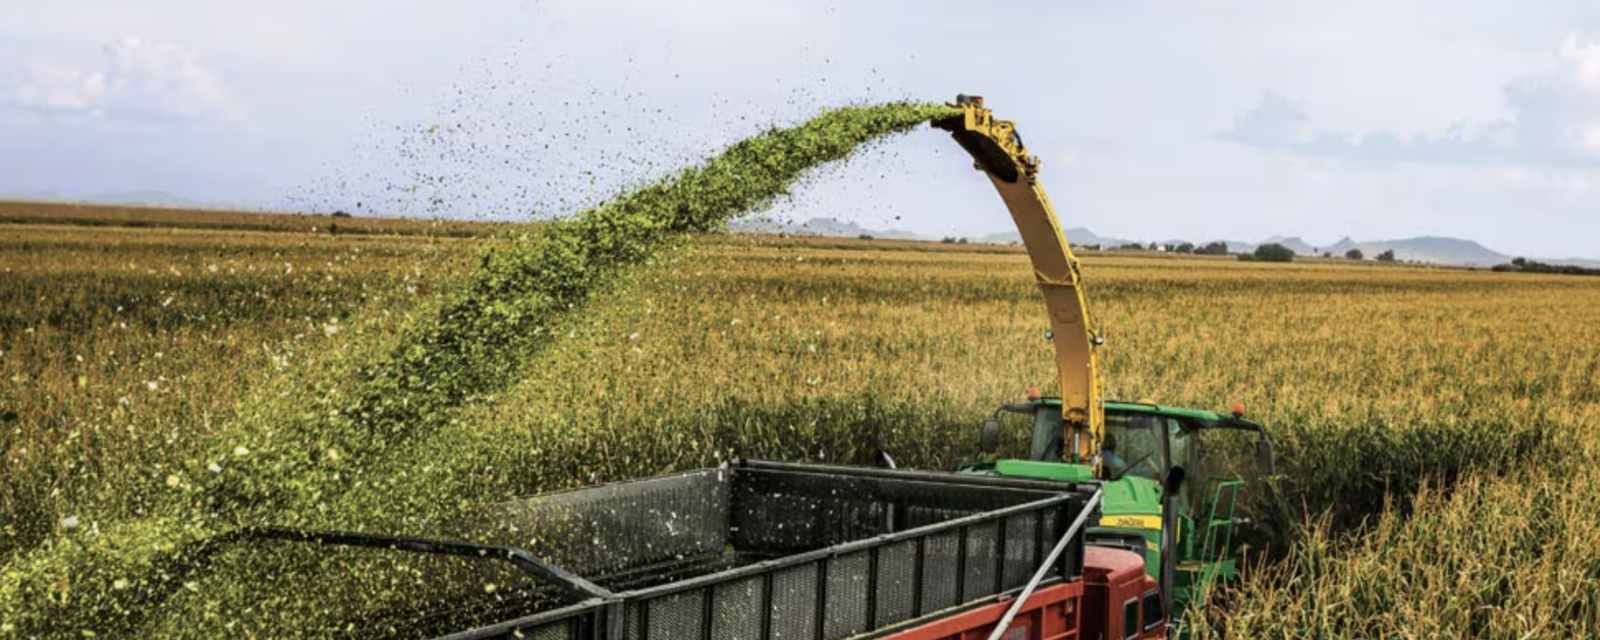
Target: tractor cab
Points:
(1220, 456)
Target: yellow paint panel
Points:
(1136, 522)
(1132, 522)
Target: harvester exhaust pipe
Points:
(1169, 535)
(1169, 526)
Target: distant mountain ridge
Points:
(1296, 245)
(1431, 249)
(1428, 249)
(1078, 236)
(825, 227)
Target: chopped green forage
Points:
(315, 456)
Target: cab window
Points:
(1185, 447)
(1153, 616)
(1132, 445)
(1047, 445)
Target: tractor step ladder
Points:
(1218, 523)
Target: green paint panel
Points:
(1044, 470)
(1132, 496)
(1181, 412)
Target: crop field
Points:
(163, 381)
(123, 346)
(1461, 401)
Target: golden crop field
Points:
(123, 348)
(1435, 424)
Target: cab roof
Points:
(1141, 407)
(1182, 412)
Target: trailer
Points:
(756, 550)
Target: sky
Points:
(1210, 119)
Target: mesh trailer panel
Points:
(636, 534)
(847, 562)
(847, 590)
(618, 528)
(753, 550)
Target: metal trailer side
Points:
(760, 550)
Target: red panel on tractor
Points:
(1108, 566)
(1094, 607)
(1115, 590)
(1049, 614)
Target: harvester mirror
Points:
(1266, 461)
(989, 436)
(1174, 481)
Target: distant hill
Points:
(1343, 246)
(1437, 250)
(1294, 244)
(1434, 249)
(1078, 236)
(825, 227)
(1430, 249)
(1235, 246)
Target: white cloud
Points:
(55, 89)
(1558, 112)
(1275, 123)
(1555, 121)
(136, 78)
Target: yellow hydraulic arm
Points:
(999, 153)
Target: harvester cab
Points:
(1172, 477)
(1170, 492)
(1219, 456)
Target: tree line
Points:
(1524, 265)
(1269, 252)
